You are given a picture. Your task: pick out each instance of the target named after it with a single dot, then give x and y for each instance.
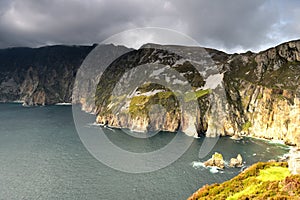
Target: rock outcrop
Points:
(215, 161)
(236, 162)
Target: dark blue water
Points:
(42, 157)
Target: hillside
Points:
(260, 181)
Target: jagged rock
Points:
(215, 161)
(236, 137)
(236, 162)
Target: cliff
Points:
(268, 86)
(253, 94)
(197, 90)
(39, 76)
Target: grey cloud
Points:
(229, 25)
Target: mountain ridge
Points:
(261, 89)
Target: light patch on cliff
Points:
(149, 93)
(213, 81)
(159, 71)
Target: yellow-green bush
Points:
(270, 180)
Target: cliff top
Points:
(260, 181)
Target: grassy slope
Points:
(270, 180)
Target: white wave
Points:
(96, 124)
(63, 104)
(197, 164)
(277, 142)
(226, 163)
(18, 101)
(214, 170)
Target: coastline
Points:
(271, 141)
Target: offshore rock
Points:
(215, 161)
(236, 162)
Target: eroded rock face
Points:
(294, 161)
(258, 94)
(39, 76)
(138, 81)
(90, 72)
(268, 88)
(272, 113)
(239, 94)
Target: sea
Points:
(43, 157)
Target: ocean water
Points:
(42, 157)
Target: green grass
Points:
(217, 156)
(287, 75)
(139, 105)
(168, 99)
(248, 190)
(165, 94)
(273, 174)
(192, 96)
(270, 180)
(246, 126)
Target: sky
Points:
(228, 25)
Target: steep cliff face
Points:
(196, 90)
(240, 94)
(158, 88)
(39, 76)
(267, 86)
(88, 75)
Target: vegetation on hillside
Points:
(271, 180)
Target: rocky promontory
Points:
(254, 94)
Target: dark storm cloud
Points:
(229, 25)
